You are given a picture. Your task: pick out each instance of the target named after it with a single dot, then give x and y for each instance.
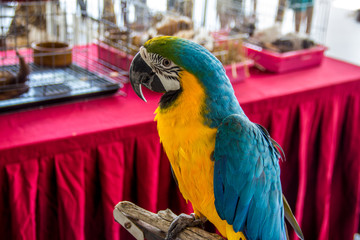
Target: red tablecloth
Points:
(63, 168)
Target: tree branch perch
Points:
(143, 224)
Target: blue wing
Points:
(247, 185)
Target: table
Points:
(63, 168)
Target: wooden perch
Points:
(143, 224)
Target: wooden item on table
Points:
(143, 224)
(14, 85)
(52, 54)
(171, 25)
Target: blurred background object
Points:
(182, 7)
(110, 32)
(57, 40)
(177, 18)
(12, 85)
(303, 10)
(343, 34)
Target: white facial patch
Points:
(169, 84)
(166, 76)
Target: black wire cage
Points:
(49, 52)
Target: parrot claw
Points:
(180, 223)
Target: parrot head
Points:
(160, 62)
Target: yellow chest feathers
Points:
(188, 143)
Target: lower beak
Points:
(142, 74)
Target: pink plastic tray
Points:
(285, 62)
(236, 72)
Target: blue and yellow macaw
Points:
(224, 164)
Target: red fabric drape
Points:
(321, 142)
(64, 168)
(70, 179)
(112, 164)
(23, 180)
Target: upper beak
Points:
(142, 74)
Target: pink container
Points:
(236, 72)
(285, 62)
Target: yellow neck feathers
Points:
(191, 98)
(182, 123)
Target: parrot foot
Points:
(180, 223)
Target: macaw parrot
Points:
(224, 164)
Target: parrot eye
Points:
(166, 62)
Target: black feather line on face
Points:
(169, 98)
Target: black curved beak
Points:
(142, 74)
